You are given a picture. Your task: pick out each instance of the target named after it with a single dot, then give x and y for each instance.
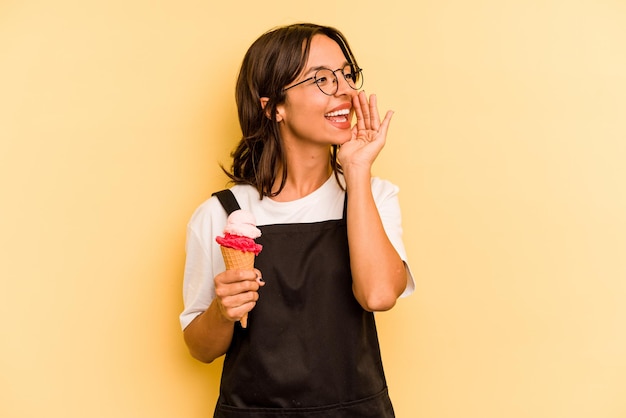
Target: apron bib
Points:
(310, 349)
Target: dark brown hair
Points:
(272, 62)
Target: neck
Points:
(305, 174)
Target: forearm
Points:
(209, 335)
(378, 273)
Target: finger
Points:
(245, 309)
(236, 275)
(246, 286)
(247, 299)
(356, 104)
(235, 294)
(259, 278)
(384, 127)
(374, 116)
(224, 291)
(365, 110)
(235, 308)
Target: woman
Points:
(331, 235)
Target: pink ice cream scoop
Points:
(240, 232)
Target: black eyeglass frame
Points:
(357, 70)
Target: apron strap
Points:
(228, 201)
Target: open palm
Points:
(368, 135)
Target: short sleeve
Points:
(388, 205)
(201, 263)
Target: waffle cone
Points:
(238, 260)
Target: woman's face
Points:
(309, 116)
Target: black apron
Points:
(310, 349)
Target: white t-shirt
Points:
(204, 258)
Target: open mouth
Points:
(338, 115)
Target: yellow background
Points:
(508, 143)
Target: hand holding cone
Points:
(238, 246)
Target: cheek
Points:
(302, 106)
(309, 112)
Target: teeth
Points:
(338, 113)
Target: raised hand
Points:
(368, 135)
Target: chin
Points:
(342, 139)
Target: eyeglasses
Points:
(326, 80)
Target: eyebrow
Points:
(312, 70)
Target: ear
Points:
(264, 101)
(279, 116)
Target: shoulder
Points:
(211, 211)
(380, 184)
(244, 194)
(207, 210)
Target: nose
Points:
(342, 85)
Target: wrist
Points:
(356, 175)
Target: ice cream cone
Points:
(238, 246)
(238, 260)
